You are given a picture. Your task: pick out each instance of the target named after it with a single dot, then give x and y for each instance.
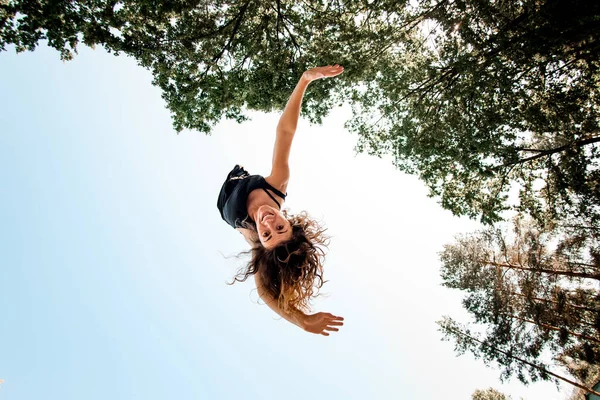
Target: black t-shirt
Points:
(234, 193)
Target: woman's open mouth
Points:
(265, 215)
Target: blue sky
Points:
(114, 257)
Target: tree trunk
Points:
(543, 153)
(580, 264)
(544, 270)
(552, 328)
(567, 305)
(593, 228)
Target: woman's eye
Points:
(265, 233)
(279, 227)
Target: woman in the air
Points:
(287, 250)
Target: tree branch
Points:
(544, 153)
(539, 368)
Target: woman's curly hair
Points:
(292, 272)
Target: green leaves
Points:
(477, 98)
(494, 101)
(529, 298)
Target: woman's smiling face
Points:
(273, 228)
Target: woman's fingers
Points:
(323, 323)
(334, 70)
(327, 71)
(333, 320)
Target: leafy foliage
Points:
(488, 394)
(500, 95)
(480, 99)
(529, 298)
(476, 97)
(213, 59)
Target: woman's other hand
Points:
(321, 323)
(322, 72)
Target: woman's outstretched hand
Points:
(320, 323)
(322, 72)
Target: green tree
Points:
(508, 359)
(475, 97)
(529, 249)
(215, 59)
(531, 299)
(500, 95)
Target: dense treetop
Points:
(476, 97)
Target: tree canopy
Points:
(495, 105)
(499, 96)
(478, 98)
(532, 304)
(215, 59)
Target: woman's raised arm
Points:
(286, 128)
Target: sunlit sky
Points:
(115, 259)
